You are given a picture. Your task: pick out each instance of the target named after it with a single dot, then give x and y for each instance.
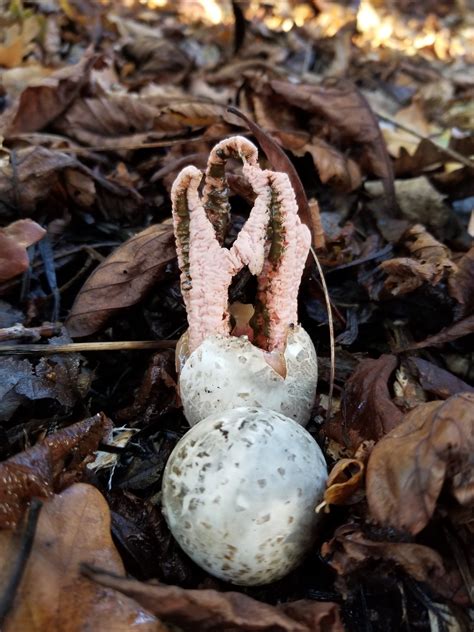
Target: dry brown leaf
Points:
(38, 471)
(344, 482)
(430, 263)
(453, 332)
(367, 410)
(210, 610)
(73, 527)
(117, 120)
(349, 114)
(350, 550)
(432, 446)
(43, 101)
(438, 381)
(461, 284)
(122, 279)
(14, 240)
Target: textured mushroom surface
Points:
(239, 493)
(226, 372)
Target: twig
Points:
(46, 330)
(19, 565)
(332, 341)
(446, 150)
(79, 347)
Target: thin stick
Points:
(19, 565)
(332, 341)
(79, 347)
(446, 150)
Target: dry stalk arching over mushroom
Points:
(240, 488)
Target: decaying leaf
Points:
(430, 262)
(38, 471)
(14, 240)
(122, 279)
(461, 284)
(344, 108)
(367, 410)
(41, 102)
(450, 333)
(73, 528)
(209, 610)
(438, 381)
(350, 550)
(62, 378)
(431, 447)
(118, 120)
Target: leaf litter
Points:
(101, 104)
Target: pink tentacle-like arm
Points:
(206, 271)
(216, 191)
(278, 284)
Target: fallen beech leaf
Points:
(116, 120)
(38, 471)
(122, 279)
(461, 284)
(432, 446)
(344, 481)
(43, 101)
(14, 240)
(207, 610)
(431, 262)
(438, 381)
(367, 410)
(73, 527)
(458, 330)
(350, 550)
(346, 109)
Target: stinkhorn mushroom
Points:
(240, 488)
(239, 493)
(274, 364)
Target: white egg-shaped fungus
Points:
(240, 491)
(227, 371)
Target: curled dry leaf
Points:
(120, 120)
(448, 334)
(344, 483)
(122, 279)
(438, 381)
(350, 550)
(39, 104)
(14, 240)
(430, 262)
(367, 410)
(461, 284)
(432, 446)
(38, 471)
(347, 111)
(210, 610)
(73, 527)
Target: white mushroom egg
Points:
(225, 372)
(240, 491)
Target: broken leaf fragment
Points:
(73, 528)
(14, 241)
(431, 447)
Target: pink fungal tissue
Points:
(273, 243)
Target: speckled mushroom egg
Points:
(240, 491)
(225, 372)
